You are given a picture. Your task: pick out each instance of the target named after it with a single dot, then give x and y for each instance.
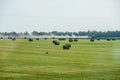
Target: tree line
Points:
(56, 33)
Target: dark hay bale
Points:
(9, 37)
(25, 37)
(45, 38)
(13, 39)
(56, 42)
(76, 40)
(37, 38)
(108, 39)
(53, 37)
(30, 39)
(98, 39)
(66, 46)
(61, 39)
(70, 40)
(92, 40)
(69, 45)
(113, 39)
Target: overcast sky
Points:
(59, 15)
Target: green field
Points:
(24, 60)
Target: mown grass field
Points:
(24, 60)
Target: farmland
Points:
(85, 60)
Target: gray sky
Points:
(59, 15)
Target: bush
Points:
(1, 38)
(30, 39)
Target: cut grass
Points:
(24, 60)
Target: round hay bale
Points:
(70, 40)
(13, 39)
(92, 40)
(30, 39)
(37, 38)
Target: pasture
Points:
(85, 60)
